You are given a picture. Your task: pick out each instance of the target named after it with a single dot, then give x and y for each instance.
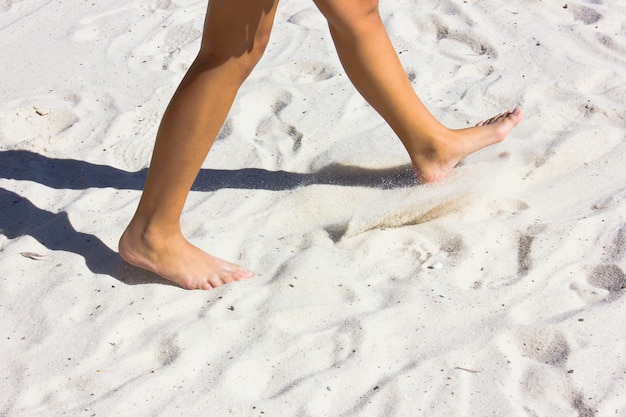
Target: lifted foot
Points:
(433, 159)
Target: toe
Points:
(216, 282)
(205, 286)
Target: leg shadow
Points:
(79, 175)
(66, 174)
(20, 217)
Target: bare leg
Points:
(235, 36)
(370, 61)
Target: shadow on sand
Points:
(79, 175)
(19, 217)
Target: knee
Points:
(240, 54)
(349, 14)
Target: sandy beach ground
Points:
(497, 292)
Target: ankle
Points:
(148, 233)
(431, 145)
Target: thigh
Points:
(235, 27)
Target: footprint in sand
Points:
(177, 38)
(618, 50)
(617, 249)
(306, 72)
(524, 261)
(226, 130)
(453, 245)
(524, 248)
(104, 26)
(116, 22)
(453, 30)
(610, 201)
(548, 346)
(168, 352)
(457, 43)
(180, 35)
(587, 15)
(158, 5)
(6, 5)
(608, 277)
(274, 123)
(137, 130)
(165, 31)
(308, 18)
(52, 118)
(544, 345)
(37, 119)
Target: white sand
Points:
(498, 292)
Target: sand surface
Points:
(497, 292)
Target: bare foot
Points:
(178, 261)
(434, 161)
